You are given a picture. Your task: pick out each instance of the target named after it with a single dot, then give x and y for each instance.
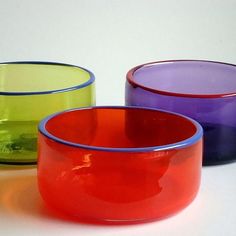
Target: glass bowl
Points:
(119, 164)
(29, 91)
(202, 90)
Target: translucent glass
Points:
(202, 90)
(29, 91)
(138, 165)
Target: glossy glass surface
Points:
(119, 164)
(29, 91)
(203, 90)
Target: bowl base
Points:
(219, 141)
(219, 161)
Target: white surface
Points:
(109, 37)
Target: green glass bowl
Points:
(29, 91)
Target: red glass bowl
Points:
(119, 164)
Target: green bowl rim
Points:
(88, 82)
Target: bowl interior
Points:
(39, 77)
(120, 127)
(187, 77)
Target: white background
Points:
(109, 37)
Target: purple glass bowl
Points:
(202, 90)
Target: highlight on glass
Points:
(202, 90)
(29, 91)
(119, 164)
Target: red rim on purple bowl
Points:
(131, 74)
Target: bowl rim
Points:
(82, 85)
(181, 144)
(130, 79)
